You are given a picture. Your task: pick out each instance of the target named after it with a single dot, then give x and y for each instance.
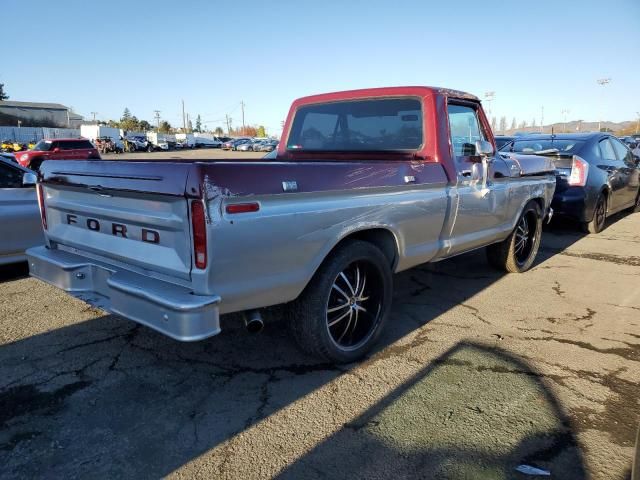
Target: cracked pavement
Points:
(477, 373)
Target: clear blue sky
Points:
(146, 55)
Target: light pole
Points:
(564, 116)
(489, 96)
(638, 122)
(602, 82)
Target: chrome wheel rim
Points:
(354, 305)
(525, 237)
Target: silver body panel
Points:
(256, 259)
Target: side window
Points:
(622, 151)
(465, 130)
(10, 177)
(65, 145)
(606, 150)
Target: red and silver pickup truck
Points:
(365, 183)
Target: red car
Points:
(57, 149)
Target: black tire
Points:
(149, 148)
(357, 280)
(597, 224)
(518, 251)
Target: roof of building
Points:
(48, 106)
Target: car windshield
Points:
(393, 124)
(42, 146)
(562, 146)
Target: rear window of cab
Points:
(390, 124)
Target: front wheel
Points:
(341, 313)
(518, 251)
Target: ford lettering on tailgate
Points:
(117, 229)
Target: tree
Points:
(503, 124)
(262, 132)
(3, 96)
(144, 125)
(218, 131)
(533, 122)
(126, 115)
(165, 127)
(189, 126)
(513, 124)
(493, 123)
(198, 124)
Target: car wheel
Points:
(342, 311)
(596, 225)
(518, 251)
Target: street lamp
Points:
(603, 82)
(565, 111)
(489, 96)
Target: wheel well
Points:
(540, 202)
(380, 237)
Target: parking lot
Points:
(478, 373)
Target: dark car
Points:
(503, 141)
(596, 175)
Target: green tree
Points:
(144, 125)
(165, 127)
(218, 131)
(126, 115)
(3, 96)
(261, 132)
(198, 124)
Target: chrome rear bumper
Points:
(170, 309)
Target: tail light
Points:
(199, 225)
(43, 210)
(579, 172)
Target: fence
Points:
(27, 134)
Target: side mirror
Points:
(29, 179)
(484, 148)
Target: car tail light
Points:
(43, 210)
(199, 225)
(579, 172)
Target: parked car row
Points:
(250, 145)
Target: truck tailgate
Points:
(130, 212)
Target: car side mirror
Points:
(29, 179)
(484, 148)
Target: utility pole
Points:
(564, 116)
(94, 115)
(542, 119)
(489, 96)
(228, 120)
(242, 105)
(157, 117)
(184, 122)
(638, 122)
(602, 82)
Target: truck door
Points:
(480, 214)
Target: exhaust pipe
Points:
(253, 321)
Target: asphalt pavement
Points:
(478, 373)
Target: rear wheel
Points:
(342, 311)
(596, 225)
(518, 251)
